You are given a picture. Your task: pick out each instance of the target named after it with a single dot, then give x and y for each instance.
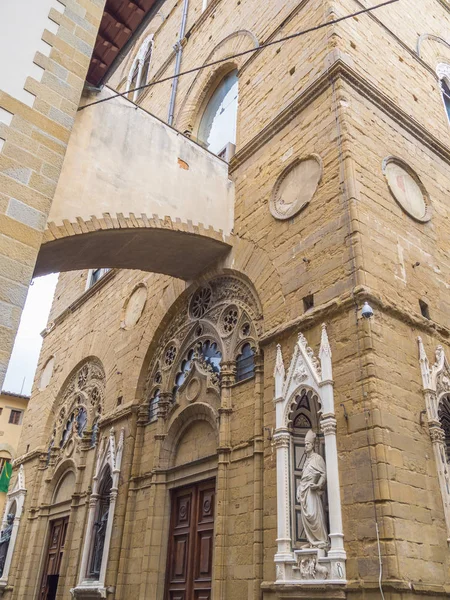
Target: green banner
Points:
(5, 477)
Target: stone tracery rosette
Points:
(436, 389)
(221, 316)
(309, 375)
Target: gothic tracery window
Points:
(153, 405)
(138, 75)
(219, 322)
(78, 407)
(245, 363)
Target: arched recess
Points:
(189, 113)
(63, 480)
(433, 49)
(181, 423)
(64, 488)
(76, 410)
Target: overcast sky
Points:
(24, 359)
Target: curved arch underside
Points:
(176, 252)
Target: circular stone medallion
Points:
(134, 307)
(407, 189)
(295, 187)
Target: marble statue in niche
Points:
(309, 495)
(99, 544)
(5, 537)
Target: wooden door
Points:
(190, 555)
(52, 565)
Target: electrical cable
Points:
(243, 53)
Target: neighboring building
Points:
(46, 51)
(12, 408)
(213, 311)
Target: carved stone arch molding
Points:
(109, 459)
(10, 525)
(307, 374)
(204, 83)
(433, 49)
(76, 411)
(436, 390)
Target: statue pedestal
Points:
(310, 566)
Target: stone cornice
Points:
(350, 300)
(340, 70)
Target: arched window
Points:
(443, 72)
(207, 351)
(101, 520)
(245, 363)
(217, 128)
(153, 405)
(140, 68)
(146, 66)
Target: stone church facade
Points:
(174, 421)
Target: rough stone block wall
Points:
(33, 142)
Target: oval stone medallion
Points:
(295, 187)
(407, 189)
(134, 307)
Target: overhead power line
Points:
(239, 54)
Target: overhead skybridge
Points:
(136, 194)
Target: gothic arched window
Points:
(100, 523)
(245, 363)
(140, 68)
(218, 123)
(443, 71)
(153, 405)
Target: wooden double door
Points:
(52, 565)
(191, 543)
